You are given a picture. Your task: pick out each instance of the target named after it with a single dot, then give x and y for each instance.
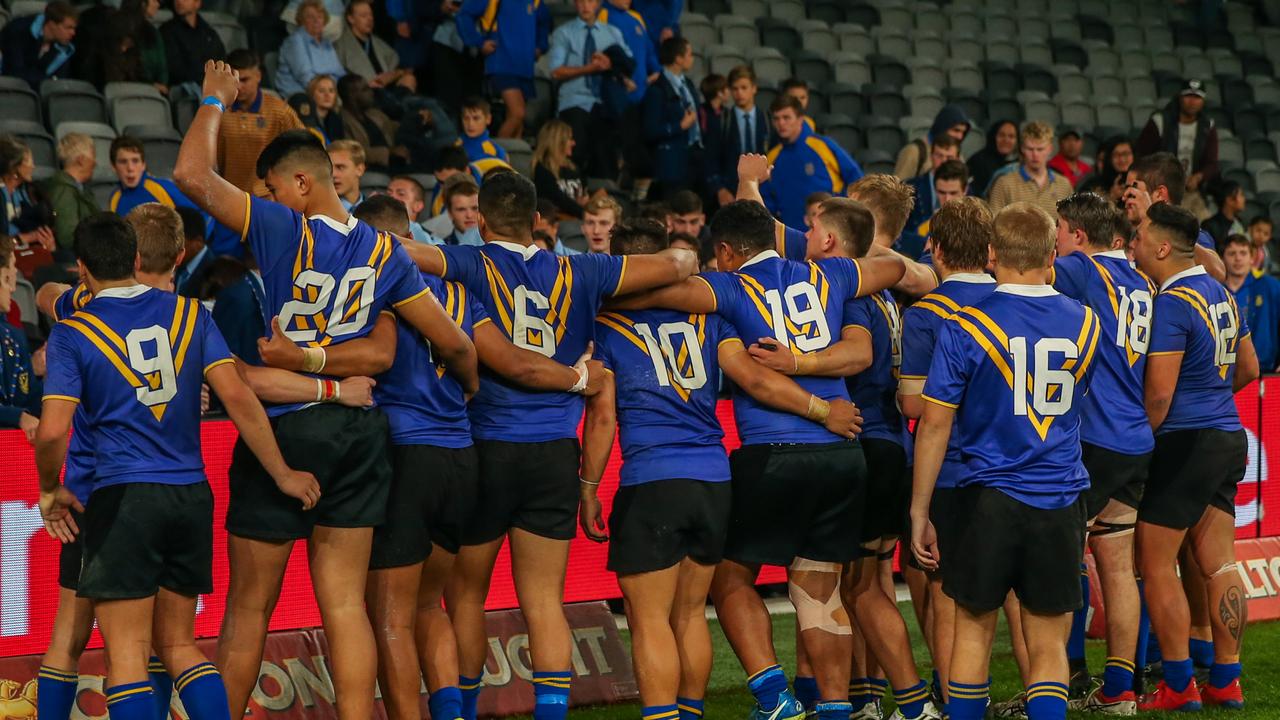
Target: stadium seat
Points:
(931, 20)
(103, 189)
(736, 32)
(102, 135)
(1004, 52)
(1036, 54)
(1078, 115)
(1113, 115)
(965, 77)
(927, 105)
(770, 66)
(826, 11)
(812, 67)
(24, 8)
(846, 134)
(789, 10)
(817, 36)
(862, 14)
(722, 58)
(818, 102)
(1037, 78)
(18, 101)
(1249, 123)
(1004, 109)
(931, 47)
(874, 160)
(887, 71)
(850, 69)
(765, 95)
(965, 25)
(1001, 27)
(698, 30)
(710, 8)
(1095, 28)
(1074, 84)
(140, 110)
(1267, 180)
(1259, 148)
(854, 39)
(899, 17)
(161, 143)
(886, 101)
(893, 45)
(966, 49)
(1071, 53)
(1033, 27)
(1109, 87)
(749, 9)
(780, 34)
(971, 101)
(1002, 80)
(846, 99)
(974, 141)
(1045, 111)
(36, 138)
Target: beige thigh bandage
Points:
(819, 613)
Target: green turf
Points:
(727, 697)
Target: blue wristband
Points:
(215, 102)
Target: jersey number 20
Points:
(1044, 379)
(340, 321)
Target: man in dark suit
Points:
(670, 112)
(743, 128)
(189, 277)
(39, 47)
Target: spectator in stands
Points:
(1194, 143)
(1115, 155)
(251, 122)
(428, 33)
(913, 159)
(189, 42)
(555, 175)
(196, 260)
(947, 181)
(476, 116)
(627, 101)
(687, 214)
(326, 109)
(1257, 296)
(799, 89)
(548, 222)
(348, 160)
(1260, 229)
(1229, 195)
(20, 389)
(462, 198)
(29, 216)
(944, 148)
(239, 301)
(580, 62)
(803, 163)
(1000, 150)
(333, 17)
(543, 241)
(364, 123)
(599, 216)
(142, 56)
(137, 186)
(670, 114)
(743, 129)
(1032, 181)
(39, 47)
(414, 197)
(509, 38)
(661, 18)
(70, 199)
(306, 53)
(1067, 162)
(715, 98)
(453, 160)
(369, 56)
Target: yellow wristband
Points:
(313, 359)
(819, 409)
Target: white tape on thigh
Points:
(827, 615)
(1226, 568)
(805, 565)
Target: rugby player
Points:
(1200, 355)
(1116, 438)
(327, 279)
(670, 517)
(794, 305)
(1160, 177)
(1009, 372)
(135, 358)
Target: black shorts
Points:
(530, 486)
(1009, 545)
(655, 525)
(345, 448)
(433, 492)
(1191, 471)
(949, 513)
(888, 490)
(140, 537)
(796, 501)
(1113, 476)
(70, 556)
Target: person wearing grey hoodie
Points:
(913, 158)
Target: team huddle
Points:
(1071, 380)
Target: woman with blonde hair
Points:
(306, 53)
(554, 174)
(326, 107)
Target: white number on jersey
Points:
(530, 329)
(790, 311)
(1222, 342)
(1133, 320)
(338, 324)
(159, 379)
(663, 352)
(1044, 378)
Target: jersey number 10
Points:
(662, 351)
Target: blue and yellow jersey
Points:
(151, 189)
(482, 147)
(875, 389)
(1016, 366)
(134, 358)
(1259, 301)
(802, 306)
(520, 27)
(920, 325)
(78, 467)
(666, 369)
(326, 281)
(812, 163)
(1197, 317)
(544, 303)
(792, 243)
(643, 50)
(1114, 415)
(424, 404)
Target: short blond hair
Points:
(961, 230)
(889, 199)
(160, 236)
(350, 147)
(302, 7)
(1037, 130)
(1025, 237)
(597, 205)
(75, 145)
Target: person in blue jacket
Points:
(671, 121)
(803, 163)
(510, 35)
(1257, 295)
(661, 18)
(137, 186)
(20, 390)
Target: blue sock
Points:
(1177, 673)
(1117, 678)
(134, 701)
(833, 710)
(551, 695)
(806, 691)
(202, 692)
(1201, 652)
(660, 712)
(1079, 619)
(859, 692)
(911, 700)
(689, 709)
(767, 685)
(470, 687)
(445, 703)
(1046, 701)
(877, 687)
(55, 693)
(162, 684)
(967, 702)
(1144, 631)
(1222, 674)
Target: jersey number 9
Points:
(1044, 380)
(159, 379)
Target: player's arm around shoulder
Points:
(646, 272)
(525, 367)
(693, 295)
(780, 392)
(881, 271)
(430, 259)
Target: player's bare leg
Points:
(969, 691)
(513, 125)
(465, 593)
(538, 567)
(825, 625)
(1193, 584)
(1046, 637)
(1017, 637)
(195, 680)
(339, 559)
(391, 599)
(743, 616)
(437, 644)
(942, 611)
(1213, 540)
(72, 626)
(649, 599)
(126, 633)
(257, 572)
(689, 625)
(1166, 600)
(1111, 542)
